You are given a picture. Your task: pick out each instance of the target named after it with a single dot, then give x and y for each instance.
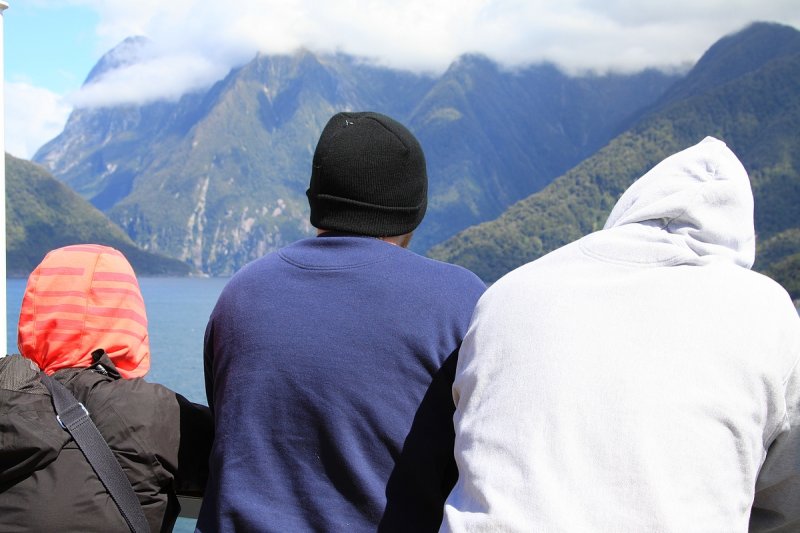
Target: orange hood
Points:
(81, 298)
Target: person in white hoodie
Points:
(640, 379)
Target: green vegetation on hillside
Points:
(43, 213)
(570, 207)
(757, 114)
(218, 178)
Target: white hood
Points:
(701, 198)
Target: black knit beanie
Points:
(368, 177)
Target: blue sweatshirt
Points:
(329, 367)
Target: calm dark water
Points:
(177, 312)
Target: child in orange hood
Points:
(79, 299)
(83, 321)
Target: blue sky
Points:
(51, 45)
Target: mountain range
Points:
(745, 90)
(218, 178)
(520, 161)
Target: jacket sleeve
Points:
(197, 435)
(776, 506)
(175, 431)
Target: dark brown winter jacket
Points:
(161, 440)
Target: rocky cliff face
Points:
(218, 178)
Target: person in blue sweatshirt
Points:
(329, 363)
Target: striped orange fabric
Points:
(81, 298)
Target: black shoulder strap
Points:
(74, 417)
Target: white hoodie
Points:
(640, 379)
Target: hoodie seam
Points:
(785, 417)
(385, 255)
(765, 444)
(791, 371)
(673, 261)
(778, 428)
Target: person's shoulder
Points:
(137, 394)
(251, 272)
(266, 261)
(122, 407)
(770, 293)
(457, 273)
(18, 373)
(439, 280)
(747, 283)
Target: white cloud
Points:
(164, 77)
(33, 116)
(198, 41)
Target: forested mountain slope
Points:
(218, 177)
(756, 112)
(43, 214)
